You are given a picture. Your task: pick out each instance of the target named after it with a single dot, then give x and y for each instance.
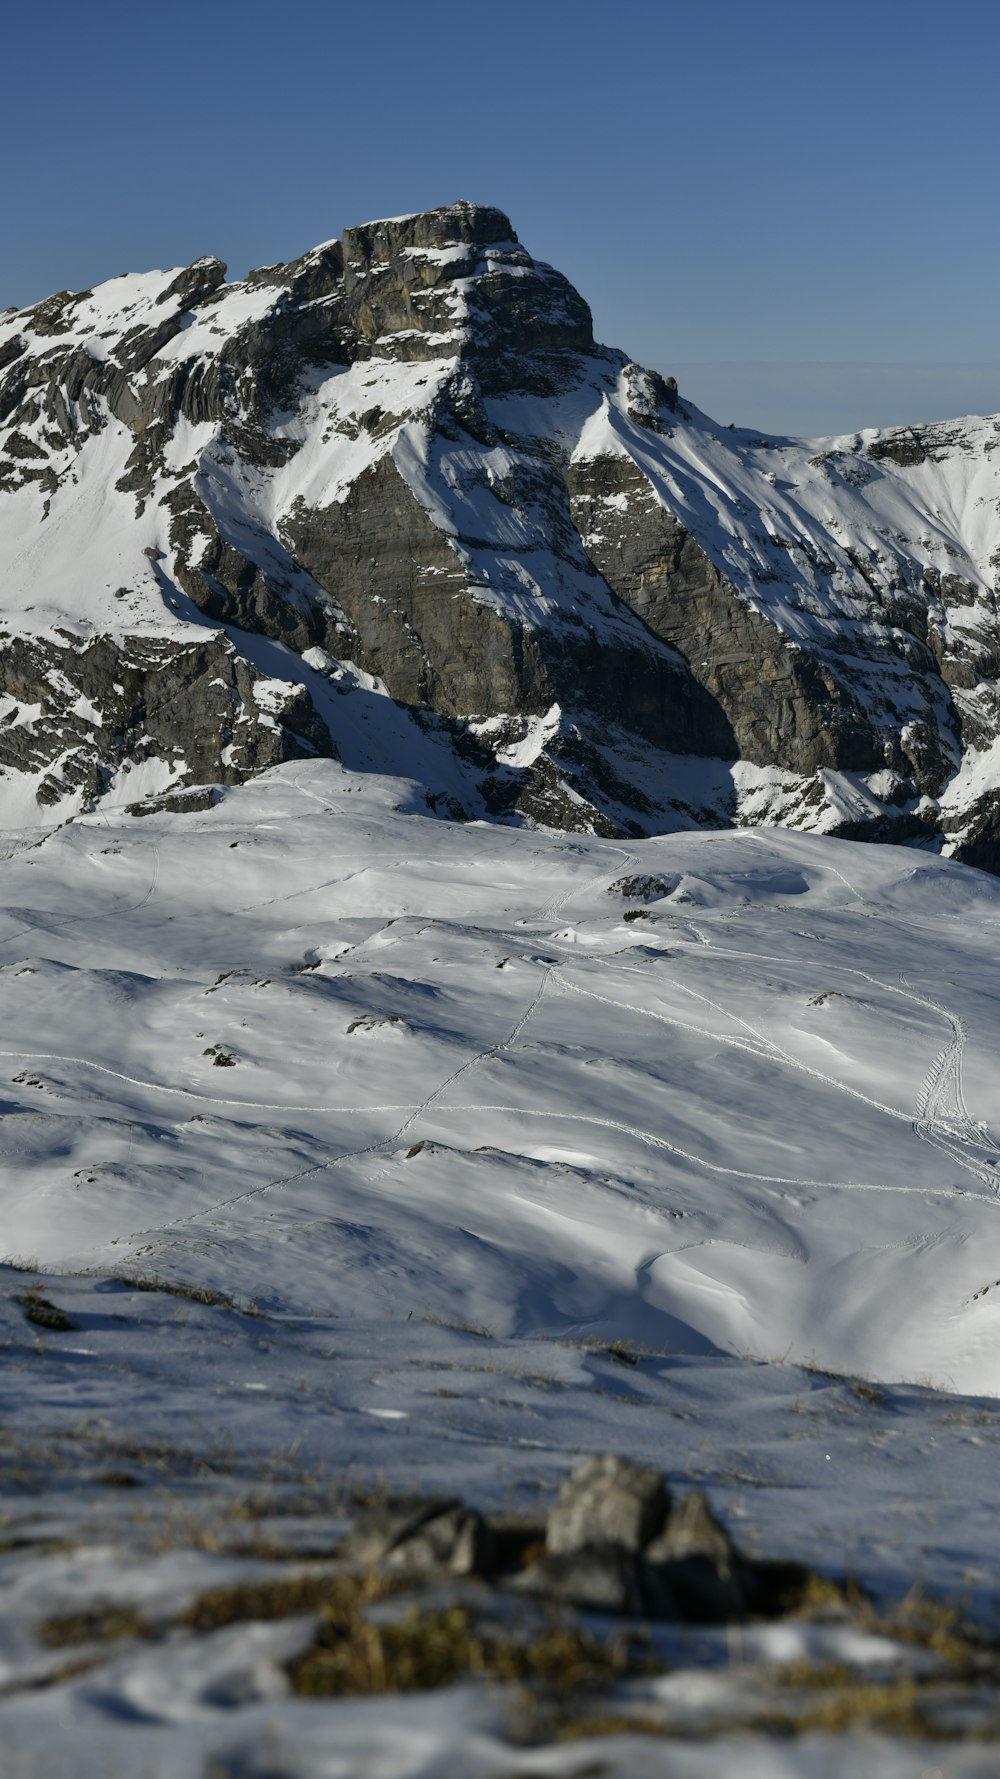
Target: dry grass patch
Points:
(101, 1624)
(622, 1353)
(848, 1703)
(899, 1705)
(822, 1597)
(608, 1723)
(352, 1656)
(204, 1294)
(476, 1328)
(864, 1391)
(285, 1597)
(942, 1628)
(938, 1626)
(43, 1314)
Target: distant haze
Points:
(815, 400)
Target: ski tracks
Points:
(391, 1141)
(382, 1143)
(66, 920)
(945, 1126)
(558, 903)
(942, 1116)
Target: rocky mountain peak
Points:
(456, 280)
(462, 224)
(401, 464)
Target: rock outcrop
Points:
(615, 1541)
(84, 716)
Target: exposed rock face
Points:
(404, 593)
(404, 452)
(786, 707)
(771, 695)
(401, 279)
(82, 714)
(435, 642)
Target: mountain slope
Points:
(722, 1091)
(401, 466)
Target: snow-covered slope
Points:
(513, 1145)
(720, 1092)
(404, 459)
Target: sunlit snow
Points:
(733, 1090)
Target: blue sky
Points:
(746, 191)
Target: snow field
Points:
(498, 1175)
(305, 1025)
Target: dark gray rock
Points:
(195, 283)
(978, 841)
(692, 1570)
(613, 1544)
(902, 447)
(417, 1535)
(526, 316)
(595, 1577)
(643, 888)
(191, 703)
(267, 596)
(783, 705)
(780, 708)
(616, 1543)
(625, 627)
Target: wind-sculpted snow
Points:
(727, 1092)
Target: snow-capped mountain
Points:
(393, 499)
(348, 1152)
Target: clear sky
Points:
(747, 192)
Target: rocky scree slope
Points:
(401, 468)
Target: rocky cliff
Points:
(240, 521)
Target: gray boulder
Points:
(693, 1570)
(420, 1536)
(608, 1501)
(616, 1543)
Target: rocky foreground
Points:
(209, 1563)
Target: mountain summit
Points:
(392, 500)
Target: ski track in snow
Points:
(942, 1114)
(376, 1148)
(652, 1141)
(944, 1129)
(189, 1093)
(57, 926)
(760, 1046)
(548, 913)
